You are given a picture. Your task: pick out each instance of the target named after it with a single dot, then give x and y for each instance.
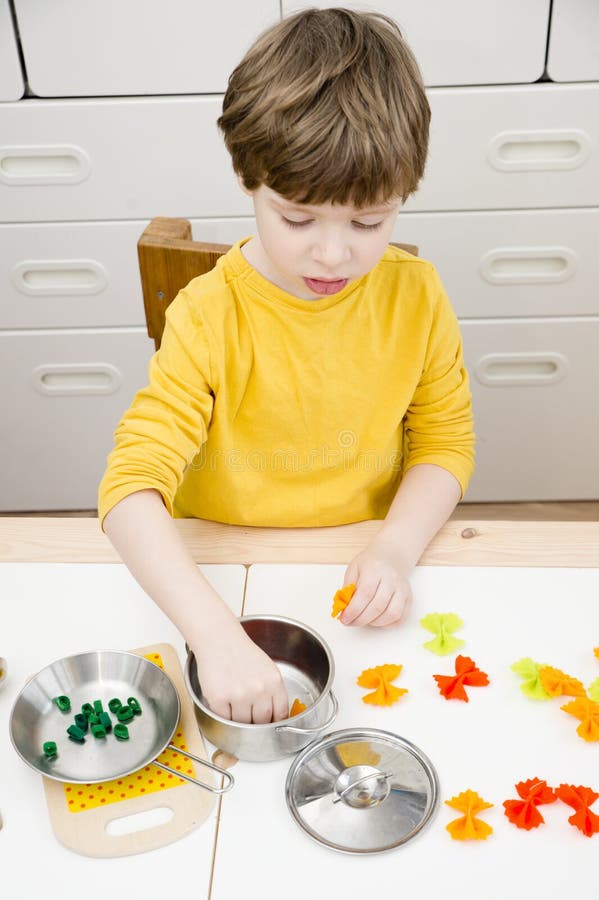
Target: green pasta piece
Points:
(106, 721)
(121, 732)
(134, 705)
(49, 749)
(114, 705)
(124, 714)
(98, 731)
(81, 721)
(98, 708)
(63, 703)
(75, 734)
(87, 710)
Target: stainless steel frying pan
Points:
(100, 674)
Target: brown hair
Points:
(328, 106)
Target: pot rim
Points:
(266, 726)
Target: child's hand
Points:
(383, 592)
(239, 681)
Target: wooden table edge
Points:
(458, 543)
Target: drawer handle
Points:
(518, 369)
(49, 277)
(48, 164)
(523, 151)
(76, 379)
(528, 265)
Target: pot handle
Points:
(230, 781)
(294, 729)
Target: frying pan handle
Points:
(230, 781)
(294, 729)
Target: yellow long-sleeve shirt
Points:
(265, 409)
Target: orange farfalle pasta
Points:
(557, 684)
(342, 598)
(580, 798)
(587, 712)
(467, 672)
(524, 813)
(468, 827)
(297, 707)
(380, 678)
(596, 652)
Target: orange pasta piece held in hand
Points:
(468, 827)
(342, 598)
(380, 678)
(467, 672)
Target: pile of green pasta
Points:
(94, 719)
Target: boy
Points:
(315, 376)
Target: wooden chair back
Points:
(169, 258)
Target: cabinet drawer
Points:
(75, 275)
(534, 388)
(115, 159)
(183, 47)
(65, 392)
(512, 148)
(574, 41)
(500, 264)
(11, 78)
(465, 41)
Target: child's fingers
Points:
(392, 614)
(365, 591)
(377, 605)
(262, 711)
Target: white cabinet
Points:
(508, 211)
(534, 384)
(464, 41)
(574, 41)
(11, 77)
(80, 48)
(64, 393)
(512, 148)
(115, 159)
(511, 262)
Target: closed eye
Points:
(293, 224)
(364, 227)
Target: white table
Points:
(488, 744)
(266, 855)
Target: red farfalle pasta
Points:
(342, 598)
(580, 798)
(467, 672)
(524, 813)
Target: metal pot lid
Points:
(362, 790)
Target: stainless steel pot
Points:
(306, 665)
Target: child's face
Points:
(315, 251)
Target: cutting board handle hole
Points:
(142, 821)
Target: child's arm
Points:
(239, 681)
(426, 498)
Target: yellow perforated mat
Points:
(148, 780)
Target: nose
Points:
(330, 250)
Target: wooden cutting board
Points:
(82, 826)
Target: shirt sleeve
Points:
(168, 421)
(438, 422)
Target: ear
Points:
(243, 187)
